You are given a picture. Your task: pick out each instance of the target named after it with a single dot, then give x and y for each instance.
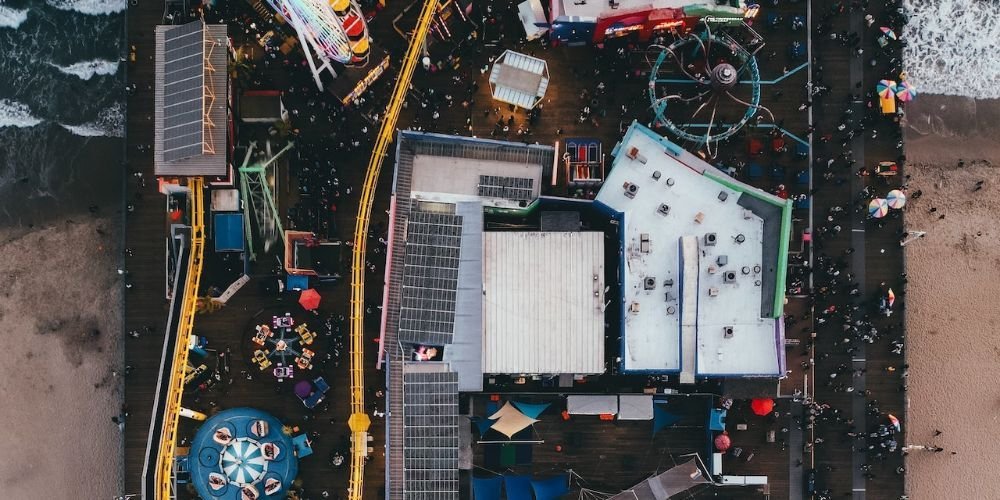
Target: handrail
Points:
(175, 391)
(359, 421)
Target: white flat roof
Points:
(543, 301)
(656, 312)
(452, 179)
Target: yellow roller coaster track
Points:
(359, 421)
(171, 415)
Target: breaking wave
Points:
(90, 7)
(12, 18)
(16, 114)
(952, 47)
(110, 122)
(87, 69)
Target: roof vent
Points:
(634, 307)
(727, 332)
(756, 269)
(670, 181)
(712, 269)
(649, 283)
(656, 175)
(747, 214)
(729, 277)
(740, 238)
(671, 310)
(663, 209)
(713, 292)
(668, 282)
(746, 270)
(723, 196)
(710, 239)
(634, 154)
(630, 189)
(644, 242)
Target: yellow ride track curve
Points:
(175, 392)
(359, 421)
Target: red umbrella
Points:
(762, 406)
(309, 299)
(722, 442)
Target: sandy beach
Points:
(61, 310)
(951, 316)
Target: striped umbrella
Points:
(895, 199)
(243, 462)
(888, 32)
(886, 88)
(905, 91)
(878, 207)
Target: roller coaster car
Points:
(886, 169)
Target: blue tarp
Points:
(487, 488)
(228, 232)
(552, 488)
(532, 410)
(663, 418)
(717, 420)
(518, 487)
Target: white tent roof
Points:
(519, 79)
(635, 407)
(592, 405)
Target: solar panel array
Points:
(430, 278)
(508, 188)
(430, 435)
(183, 91)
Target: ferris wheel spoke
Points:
(749, 105)
(680, 65)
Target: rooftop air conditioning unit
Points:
(722, 260)
(630, 189)
(727, 332)
(663, 209)
(644, 242)
(713, 292)
(634, 307)
(632, 152)
(729, 277)
(649, 283)
(712, 269)
(747, 214)
(710, 239)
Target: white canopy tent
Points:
(592, 405)
(635, 407)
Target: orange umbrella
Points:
(309, 299)
(762, 406)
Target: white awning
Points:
(635, 407)
(592, 405)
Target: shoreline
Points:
(948, 316)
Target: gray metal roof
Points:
(190, 100)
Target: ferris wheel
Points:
(329, 30)
(697, 84)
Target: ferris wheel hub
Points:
(724, 76)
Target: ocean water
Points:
(62, 109)
(954, 47)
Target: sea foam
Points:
(16, 114)
(110, 122)
(90, 7)
(952, 47)
(87, 69)
(12, 18)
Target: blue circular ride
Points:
(242, 454)
(692, 75)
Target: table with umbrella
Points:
(762, 406)
(723, 442)
(896, 199)
(281, 346)
(878, 208)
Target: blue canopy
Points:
(518, 487)
(487, 488)
(482, 424)
(552, 488)
(663, 418)
(532, 410)
(717, 420)
(228, 232)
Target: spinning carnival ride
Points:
(692, 75)
(331, 31)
